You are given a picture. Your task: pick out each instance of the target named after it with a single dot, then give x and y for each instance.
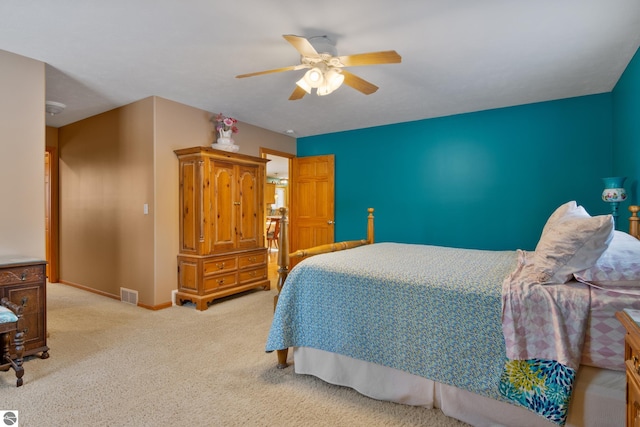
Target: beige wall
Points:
(113, 163)
(177, 126)
(22, 136)
(250, 138)
(106, 176)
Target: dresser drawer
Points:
(253, 259)
(220, 281)
(220, 265)
(19, 275)
(252, 275)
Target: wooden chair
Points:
(11, 322)
(273, 231)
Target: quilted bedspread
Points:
(427, 310)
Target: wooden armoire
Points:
(222, 250)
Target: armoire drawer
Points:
(219, 265)
(252, 259)
(220, 281)
(254, 274)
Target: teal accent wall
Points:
(486, 180)
(626, 131)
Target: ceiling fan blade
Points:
(297, 93)
(372, 58)
(358, 83)
(275, 70)
(301, 44)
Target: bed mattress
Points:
(604, 337)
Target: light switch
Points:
(146, 208)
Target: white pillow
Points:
(571, 241)
(558, 214)
(618, 266)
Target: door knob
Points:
(330, 222)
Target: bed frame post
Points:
(284, 259)
(283, 253)
(370, 226)
(283, 271)
(634, 221)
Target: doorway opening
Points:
(277, 195)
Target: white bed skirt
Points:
(598, 399)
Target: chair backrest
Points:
(273, 229)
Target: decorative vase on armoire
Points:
(225, 137)
(225, 127)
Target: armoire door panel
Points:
(223, 227)
(248, 227)
(189, 231)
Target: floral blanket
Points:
(544, 328)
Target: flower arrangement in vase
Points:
(225, 127)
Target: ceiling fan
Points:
(326, 70)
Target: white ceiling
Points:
(457, 55)
(278, 167)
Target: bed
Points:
(490, 337)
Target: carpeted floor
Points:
(116, 364)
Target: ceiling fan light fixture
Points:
(314, 77)
(323, 90)
(334, 79)
(302, 83)
(325, 69)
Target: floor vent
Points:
(129, 296)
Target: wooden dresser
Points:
(632, 361)
(24, 282)
(222, 249)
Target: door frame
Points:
(52, 198)
(264, 151)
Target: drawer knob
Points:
(221, 282)
(220, 265)
(23, 276)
